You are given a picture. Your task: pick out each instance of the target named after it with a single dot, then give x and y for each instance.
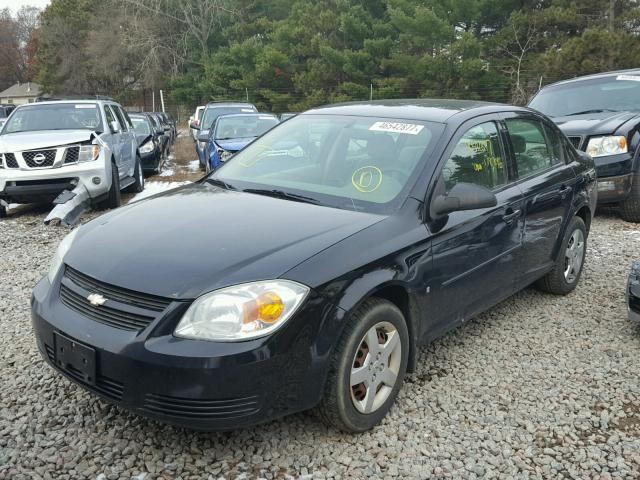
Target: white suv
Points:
(84, 146)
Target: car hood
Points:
(234, 144)
(198, 238)
(19, 141)
(603, 123)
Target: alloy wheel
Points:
(375, 367)
(574, 254)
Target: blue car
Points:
(211, 113)
(231, 133)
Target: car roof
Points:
(433, 110)
(230, 104)
(57, 102)
(256, 114)
(634, 71)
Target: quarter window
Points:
(477, 158)
(530, 146)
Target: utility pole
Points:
(612, 13)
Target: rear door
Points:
(547, 181)
(475, 251)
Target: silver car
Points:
(85, 147)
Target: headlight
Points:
(147, 147)
(58, 258)
(610, 145)
(88, 153)
(242, 312)
(224, 155)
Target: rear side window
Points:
(533, 152)
(126, 117)
(477, 158)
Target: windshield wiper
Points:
(220, 183)
(595, 110)
(281, 194)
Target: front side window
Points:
(120, 116)
(58, 116)
(109, 114)
(355, 163)
(477, 158)
(533, 153)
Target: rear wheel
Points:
(113, 200)
(367, 368)
(566, 272)
(3, 211)
(138, 176)
(630, 208)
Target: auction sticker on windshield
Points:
(394, 127)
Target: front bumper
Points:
(633, 293)
(26, 186)
(194, 384)
(614, 189)
(150, 161)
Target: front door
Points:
(474, 251)
(547, 181)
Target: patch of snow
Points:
(194, 165)
(151, 188)
(171, 157)
(167, 173)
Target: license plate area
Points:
(75, 358)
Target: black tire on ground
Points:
(558, 281)
(113, 199)
(138, 176)
(338, 408)
(630, 208)
(3, 211)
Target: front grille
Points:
(113, 317)
(201, 409)
(39, 158)
(122, 295)
(105, 386)
(71, 155)
(576, 142)
(10, 160)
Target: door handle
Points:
(565, 191)
(511, 216)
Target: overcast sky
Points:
(14, 5)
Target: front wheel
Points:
(566, 272)
(3, 211)
(630, 208)
(367, 368)
(113, 199)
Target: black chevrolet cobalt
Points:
(307, 271)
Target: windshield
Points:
(355, 163)
(59, 116)
(212, 113)
(244, 127)
(140, 125)
(614, 93)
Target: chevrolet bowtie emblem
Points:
(96, 299)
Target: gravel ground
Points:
(538, 387)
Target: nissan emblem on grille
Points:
(39, 159)
(96, 299)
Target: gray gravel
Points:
(538, 387)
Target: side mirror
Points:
(463, 196)
(203, 137)
(195, 125)
(115, 127)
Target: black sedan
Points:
(152, 155)
(307, 270)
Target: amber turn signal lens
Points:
(267, 308)
(623, 143)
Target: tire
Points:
(346, 407)
(138, 176)
(560, 280)
(630, 207)
(3, 211)
(113, 199)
